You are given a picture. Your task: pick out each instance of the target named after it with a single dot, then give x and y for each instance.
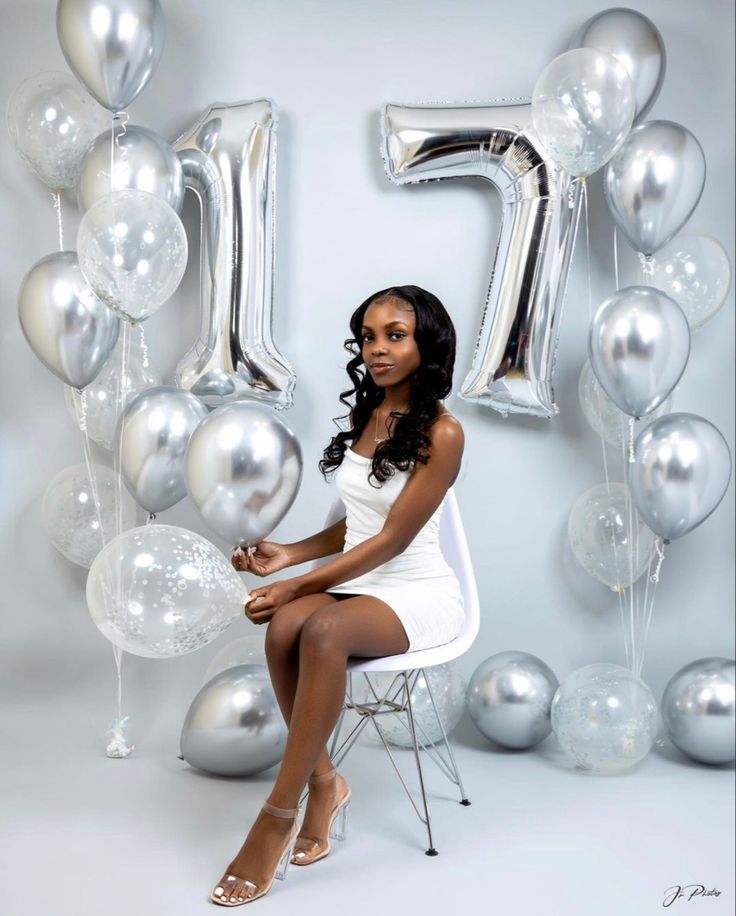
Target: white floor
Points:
(83, 834)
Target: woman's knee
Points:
(322, 631)
(285, 626)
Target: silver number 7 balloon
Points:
(515, 354)
(229, 159)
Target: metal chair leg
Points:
(369, 711)
(431, 851)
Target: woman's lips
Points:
(382, 368)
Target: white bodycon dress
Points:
(418, 584)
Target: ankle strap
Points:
(280, 812)
(322, 776)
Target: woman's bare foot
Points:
(313, 836)
(254, 865)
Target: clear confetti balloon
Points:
(52, 121)
(695, 271)
(160, 591)
(582, 109)
(102, 394)
(247, 650)
(448, 688)
(605, 718)
(604, 416)
(234, 726)
(71, 519)
(132, 249)
(603, 541)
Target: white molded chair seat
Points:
(409, 665)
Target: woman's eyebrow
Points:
(367, 327)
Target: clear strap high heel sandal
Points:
(309, 849)
(224, 894)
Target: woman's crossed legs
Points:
(308, 643)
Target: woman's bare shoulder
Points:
(446, 432)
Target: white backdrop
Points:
(343, 232)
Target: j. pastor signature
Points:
(687, 892)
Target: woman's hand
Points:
(263, 602)
(266, 558)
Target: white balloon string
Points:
(144, 348)
(619, 590)
(79, 397)
(118, 746)
(627, 511)
(660, 560)
(56, 195)
(615, 256)
(121, 390)
(649, 610)
(631, 440)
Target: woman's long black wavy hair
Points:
(409, 442)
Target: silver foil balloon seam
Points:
(514, 358)
(229, 159)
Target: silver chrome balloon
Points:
(68, 328)
(234, 726)
(229, 160)
(639, 345)
(509, 697)
(634, 40)
(654, 182)
(142, 161)
(699, 710)
(681, 472)
(243, 470)
(151, 438)
(112, 46)
(514, 357)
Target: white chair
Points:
(410, 666)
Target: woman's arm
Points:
(322, 544)
(413, 508)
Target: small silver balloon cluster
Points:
(234, 726)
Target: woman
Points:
(390, 591)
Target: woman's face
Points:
(388, 346)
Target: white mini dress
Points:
(418, 584)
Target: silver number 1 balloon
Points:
(515, 353)
(229, 159)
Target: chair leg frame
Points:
(389, 704)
